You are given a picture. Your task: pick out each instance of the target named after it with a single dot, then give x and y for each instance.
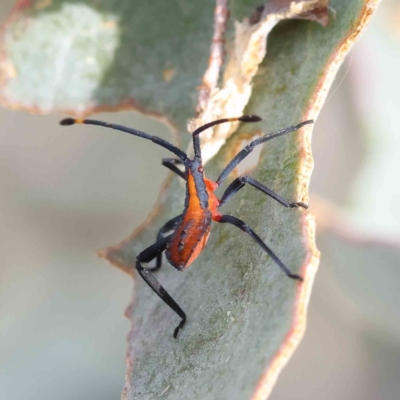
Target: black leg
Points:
(144, 257)
(169, 226)
(250, 147)
(135, 132)
(238, 183)
(245, 228)
(170, 163)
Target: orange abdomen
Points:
(189, 239)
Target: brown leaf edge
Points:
(309, 268)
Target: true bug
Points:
(191, 229)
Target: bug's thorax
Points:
(192, 233)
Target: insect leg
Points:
(169, 226)
(144, 257)
(245, 228)
(238, 183)
(134, 132)
(250, 147)
(170, 163)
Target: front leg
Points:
(146, 256)
(238, 183)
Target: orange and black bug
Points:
(191, 229)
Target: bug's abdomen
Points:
(189, 239)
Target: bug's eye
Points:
(200, 169)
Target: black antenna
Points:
(195, 134)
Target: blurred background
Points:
(66, 194)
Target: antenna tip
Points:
(67, 121)
(250, 118)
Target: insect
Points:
(191, 229)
